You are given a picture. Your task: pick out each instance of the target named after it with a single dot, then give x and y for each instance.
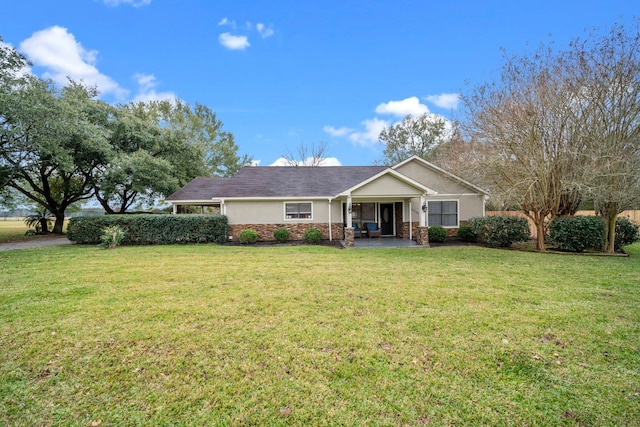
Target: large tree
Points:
(605, 74)
(159, 146)
(12, 76)
(523, 121)
(413, 136)
(54, 140)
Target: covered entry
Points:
(387, 200)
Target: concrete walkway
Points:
(37, 242)
(384, 242)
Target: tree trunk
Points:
(57, 228)
(610, 221)
(540, 234)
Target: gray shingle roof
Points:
(278, 181)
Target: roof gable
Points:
(394, 175)
(447, 175)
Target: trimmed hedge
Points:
(281, 235)
(501, 231)
(150, 229)
(437, 234)
(577, 233)
(466, 233)
(313, 236)
(248, 236)
(626, 233)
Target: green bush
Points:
(437, 234)
(111, 237)
(500, 231)
(146, 229)
(626, 233)
(281, 235)
(313, 236)
(577, 233)
(466, 233)
(248, 236)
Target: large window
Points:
(297, 210)
(444, 213)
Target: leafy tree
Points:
(160, 146)
(417, 136)
(54, 140)
(12, 76)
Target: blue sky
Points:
(284, 73)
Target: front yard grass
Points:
(209, 335)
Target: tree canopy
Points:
(413, 136)
(60, 146)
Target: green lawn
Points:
(13, 231)
(209, 335)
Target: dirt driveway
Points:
(35, 243)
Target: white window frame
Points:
(284, 207)
(457, 212)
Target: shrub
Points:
(466, 233)
(313, 236)
(577, 233)
(145, 229)
(281, 235)
(626, 233)
(437, 234)
(248, 236)
(111, 237)
(501, 231)
(41, 221)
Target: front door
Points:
(386, 219)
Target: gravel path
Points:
(35, 243)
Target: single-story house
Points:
(402, 200)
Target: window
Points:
(444, 213)
(297, 210)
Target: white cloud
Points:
(369, 136)
(58, 51)
(328, 161)
(401, 108)
(264, 31)
(343, 131)
(445, 100)
(147, 92)
(232, 42)
(134, 3)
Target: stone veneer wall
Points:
(265, 231)
(404, 230)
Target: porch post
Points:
(349, 239)
(330, 234)
(422, 239)
(175, 209)
(410, 223)
(423, 215)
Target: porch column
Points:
(410, 223)
(423, 215)
(175, 209)
(348, 230)
(330, 234)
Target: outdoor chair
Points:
(372, 229)
(356, 230)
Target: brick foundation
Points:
(265, 231)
